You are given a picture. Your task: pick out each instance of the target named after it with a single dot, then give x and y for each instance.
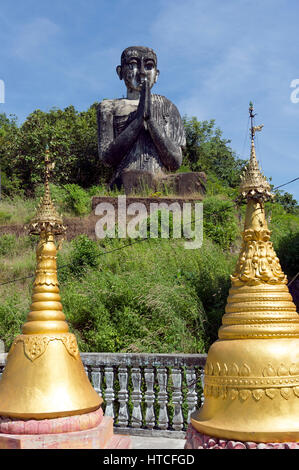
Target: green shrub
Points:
(130, 311)
(7, 244)
(87, 316)
(219, 221)
(76, 200)
(281, 223)
(11, 245)
(13, 311)
(4, 216)
(11, 185)
(100, 190)
(216, 186)
(284, 228)
(84, 254)
(212, 283)
(289, 254)
(104, 190)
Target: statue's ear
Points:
(157, 75)
(118, 71)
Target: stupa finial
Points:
(253, 182)
(47, 218)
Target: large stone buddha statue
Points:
(143, 133)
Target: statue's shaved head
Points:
(137, 51)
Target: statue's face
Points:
(138, 66)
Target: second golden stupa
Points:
(251, 384)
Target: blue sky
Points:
(214, 57)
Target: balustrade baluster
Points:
(123, 414)
(109, 392)
(136, 397)
(191, 397)
(202, 378)
(86, 370)
(177, 398)
(163, 397)
(149, 396)
(96, 379)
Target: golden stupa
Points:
(44, 376)
(251, 384)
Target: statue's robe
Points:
(115, 115)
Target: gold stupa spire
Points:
(253, 182)
(252, 372)
(46, 215)
(44, 376)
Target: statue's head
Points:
(137, 64)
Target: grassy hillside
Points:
(151, 296)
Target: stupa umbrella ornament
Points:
(44, 376)
(251, 384)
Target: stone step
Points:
(94, 438)
(146, 442)
(119, 441)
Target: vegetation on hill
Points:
(152, 296)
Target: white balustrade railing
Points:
(146, 394)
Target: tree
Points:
(8, 130)
(206, 150)
(72, 140)
(287, 201)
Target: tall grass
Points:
(153, 296)
(16, 210)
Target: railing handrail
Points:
(143, 359)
